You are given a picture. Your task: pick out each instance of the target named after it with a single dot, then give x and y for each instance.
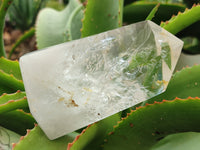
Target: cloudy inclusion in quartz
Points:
(95, 77)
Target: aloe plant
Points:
(3, 9)
(23, 13)
(162, 122)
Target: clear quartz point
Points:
(77, 83)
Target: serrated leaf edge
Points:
(6, 94)
(155, 103)
(22, 137)
(11, 75)
(77, 137)
(175, 17)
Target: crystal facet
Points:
(77, 83)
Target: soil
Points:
(11, 35)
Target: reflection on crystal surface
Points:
(80, 82)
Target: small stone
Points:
(77, 83)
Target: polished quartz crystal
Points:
(77, 83)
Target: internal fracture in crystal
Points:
(74, 84)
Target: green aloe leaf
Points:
(145, 126)
(37, 140)
(93, 136)
(10, 76)
(7, 137)
(4, 5)
(17, 121)
(9, 83)
(153, 12)
(11, 104)
(184, 83)
(11, 117)
(55, 5)
(22, 13)
(139, 10)
(15, 96)
(182, 20)
(102, 15)
(10, 67)
(179, 141)
(55, 27)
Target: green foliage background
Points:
(166, 122)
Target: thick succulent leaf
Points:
(55, 27)
(183, 84)
(17, 121)
(10, 67)
(187, 60)
(15, 96)
(145, 126)
(9, 83)
(182, 20)
(4, 5)
(4, 89)
(153, 12)
(55, 5)
(10, 76)
(13, 104)
(7, 138)
(102, 15)
(92, 137)
(179, 141)
(10, 102)
(22, 13)
(139, 10)
(37, 140)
